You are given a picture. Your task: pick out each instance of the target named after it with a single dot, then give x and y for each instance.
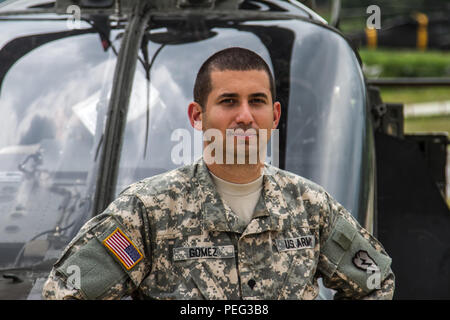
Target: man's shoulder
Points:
(174, 181)
(288, 179)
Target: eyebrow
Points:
(234, 95)
(259, 95)
(227, 95)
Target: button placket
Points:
(244, 270)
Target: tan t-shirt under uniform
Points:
(241, 197)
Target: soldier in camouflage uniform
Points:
(172, 236)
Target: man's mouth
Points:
(240, 133)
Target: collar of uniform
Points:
(217, 216)
(271, 209)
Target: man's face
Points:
(241, 100)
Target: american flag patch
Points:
(123, 249)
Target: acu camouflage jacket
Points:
(171, 237)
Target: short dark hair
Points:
(236, 59)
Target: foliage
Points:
(407, 63)
(415, 94)
(427, 124)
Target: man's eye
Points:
(227, 101)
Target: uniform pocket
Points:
(191, 269)
(297, 251)
(301, 271)
(206, 282)
(209, 270)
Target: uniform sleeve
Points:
(109, 257)
(351, 260)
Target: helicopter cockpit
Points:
(56, 86)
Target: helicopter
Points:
(94, 95)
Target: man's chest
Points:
(205, 264)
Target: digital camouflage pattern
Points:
(163, 214)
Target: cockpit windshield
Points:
(55, 86)
(319, 84)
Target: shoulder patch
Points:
(124, 250)
(363, 261)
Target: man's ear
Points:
(276, 114)
(195, 114)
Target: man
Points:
(218, 229)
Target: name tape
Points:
(305, 242)
(214, 252)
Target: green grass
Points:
(394, 64)
(419, 95)
(408, 63)
(415, 95)
(428, 124)
(353, 25)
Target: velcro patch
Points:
(216, 252)
(305, 242)
(119, 244)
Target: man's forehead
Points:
(221, 80)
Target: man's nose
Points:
(244, 113)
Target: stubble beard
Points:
(234, 148)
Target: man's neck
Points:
(237, 173)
